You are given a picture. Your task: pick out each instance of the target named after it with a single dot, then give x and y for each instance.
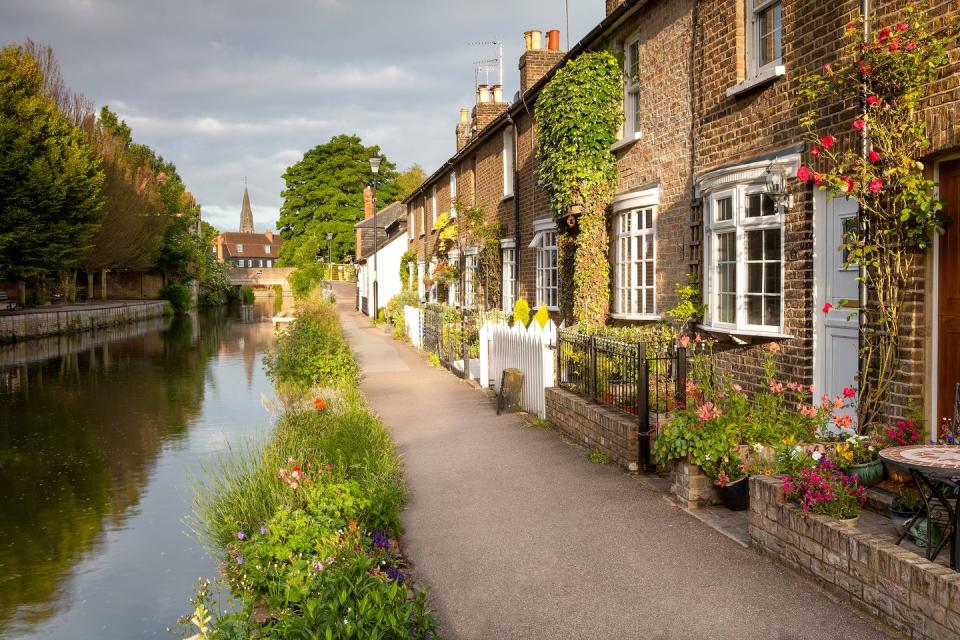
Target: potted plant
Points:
(733, 484)
(905, 506)
(859, 456)
(902, 434)
(826, 490)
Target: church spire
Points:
(246, 214)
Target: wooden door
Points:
(948, 290)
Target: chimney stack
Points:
(489, 105)
(367, 213)
(269, 235)
(612, 5)
(537, 61)
(463, 128)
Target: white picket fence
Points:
(528, 349)
(411, 321)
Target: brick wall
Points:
(534, 64)
(594, 426)
(900, 588)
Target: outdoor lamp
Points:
(777, 185)
(375, 164)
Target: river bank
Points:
(26, 324)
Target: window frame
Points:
(471, 265)
(433, 207)
(508, 162)
(544, 230)
(508, 272)
(453, 193)
(411, 221)
(740, 225)
(453, 287)
(240, 248)
(638, 283)
(754, 9)
(631, 128)
(423, 220)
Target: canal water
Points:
(102, 439)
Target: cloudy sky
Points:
(234, 88)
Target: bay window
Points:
(744, 260)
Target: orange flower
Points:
(353, 526)
(320, 404)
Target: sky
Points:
(234, 89)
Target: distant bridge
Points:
(260, 276)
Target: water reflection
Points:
(96, 449)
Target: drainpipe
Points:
(862, 365)
(516, 209)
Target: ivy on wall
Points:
(579, 113)
(470, 228)
(410, 255)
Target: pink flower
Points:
(873, 157)
(849, 392)
(815, 152)
(803, 173)
(736, 387)
(817, 178)
(911, 46)
(873, 101)
(813, 389)
(902, 26)
(776, 387)
(826, 67)
(684, 341)
(883, 34)
(698, 338)
(893, 46)
(876, 184)
(691, 387)
(827, 141)
(859, 124)
(827, 307)
(708, 411)
(774, 347)
(865, 69)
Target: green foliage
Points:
(521, 312)
(409, 180)
(578, 115)
(307, 524)
(51, 180)
(313, 352)
(394, 309)
(889, 76)
(690, 307)
(178, 295)
(410, 255)
(324, 193)
(304, 278)
(542, 317)
(598, 457)
(246, 295)
(214, 281)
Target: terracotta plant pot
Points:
(868, 473)
(898, 475)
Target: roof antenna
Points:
(491, 64)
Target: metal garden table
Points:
(935, 469)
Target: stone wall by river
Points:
(72, 319)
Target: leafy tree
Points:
(51, 180)
(324, 193)
(409, 180)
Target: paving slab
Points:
(518, 535)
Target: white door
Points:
(835, 360)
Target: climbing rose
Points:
(873, 101)
(826, 67)
(883, 34)
(826, 309)
(815, 152)
(876, 184)
(859, 124)
(827, 141)
(817, 178)
(902, 26)
(849, 392)
(848, 185)
(893, 46)
(873, 157)
(911, 46)
(803, 173)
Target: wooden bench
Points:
(6, 302)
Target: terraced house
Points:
(707, 166)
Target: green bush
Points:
(307, 522)
(304, 278)
(178, 295)
(246, 295)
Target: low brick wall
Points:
(37, 324)
(898, 587)
(596, 427)
(690, 486)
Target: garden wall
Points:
(36, 324)
(594, 426)
(896, 586)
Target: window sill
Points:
(506, 197)
(635, 316)
(625, 142)
(764, 77)
(746, 333)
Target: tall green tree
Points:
(409, 180)
(324, 193)
(51, 180)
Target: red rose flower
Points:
(817, 179)
(815, 152)
(876, 184)
(873, 101)
(827, 68)
(902, 26)
(851, 26)
(883, 34)
(911, 46)
(827, 141)
(864, 69)
(849, 392)
(848, 185)
(803, 173)
(893, 46)
(827, 307)
(873, 157)
(859, 124)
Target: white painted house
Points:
(390, 243)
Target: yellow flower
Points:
(788, 440)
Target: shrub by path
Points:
(518, 535)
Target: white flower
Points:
(816, 455)
(758, 447)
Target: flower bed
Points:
(307, 526)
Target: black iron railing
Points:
(625, 376)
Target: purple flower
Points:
(241, 535)
(239, 559)
(397, 576)
(379, 540)
(263, 530)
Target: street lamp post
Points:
(330, 256)
(375, 168)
